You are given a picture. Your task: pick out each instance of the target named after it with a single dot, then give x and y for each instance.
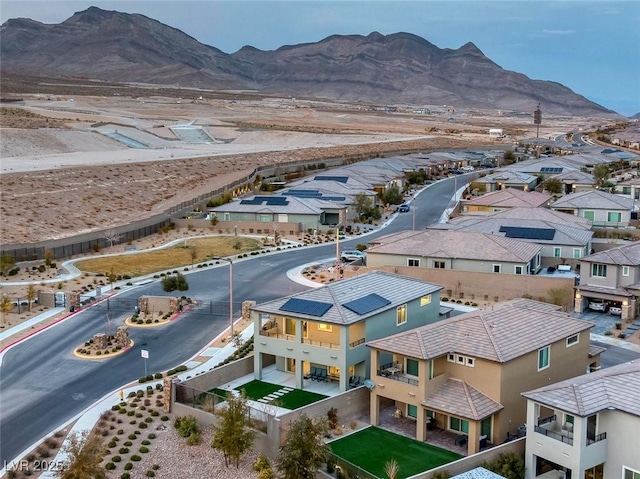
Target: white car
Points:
(615, 310)
(597, 306)
(352, 255)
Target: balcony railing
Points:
(547, 420)
(357, 342)
(555, 435)
(273, 333)
(599, 437)
(395, 371)
(322, 344)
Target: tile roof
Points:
(579, 177)
(544, 214)
(455, 244)
(293, 205)
(512, 177)
(590, 288)
(395, 288)
(458, 398)
(504, 332)
(510, 198)
(628, 255)
(595, 199)
(615, 387)
(478, 473)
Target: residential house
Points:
(269, 209)
(611, 276)
(563, 238)
(466, 374)
(602, 209)
(629, 188)
(586, 427)
(575, 181)
(457, 250)
(502, 180)
(320, 334)
(504, 199)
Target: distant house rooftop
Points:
(511, 198)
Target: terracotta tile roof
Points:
(628, 255)
(455, 244)
(395, 288)
(615, 387)
(504, 332)
(458, 398)
(510, 198)
(590, 288)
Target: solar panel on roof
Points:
(366, 304)
(528, 233)
(551, 169)
(305, 306)
(340, 179)
(276, 200)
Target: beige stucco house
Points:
(466, 374)
(602, 209)
(611, 276)
(505, 199)
(457, 250)
(586, 427)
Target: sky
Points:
(591, 47)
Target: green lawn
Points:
(372, 447)
(295, 399)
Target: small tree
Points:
(304, 451)
(392, 196)
(509, 157)
(111, 236)
(232, 437)
(553, 186)
(601, 174)
(7, 262)
(362, 204)
(6, 305)
(84, 455)
(111, 276)
(194, 254)
(31, 295)
(48, 258)
(509, 465)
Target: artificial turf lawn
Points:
(257, 389)
(372, 447)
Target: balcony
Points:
(395, 371)
(597, 438)
(550, 427)
(357, 342)
(321, 344)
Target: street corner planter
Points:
(148, 323)
(86, 352)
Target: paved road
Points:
(43, 385)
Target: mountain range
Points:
(400, 68)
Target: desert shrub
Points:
(150, 473)
(109, 466)
(116, 459)
(123, 450)
(128, 466)
(127, 443)
(136, 458)
(125, 475)
(146, 442)
(151, 436)
(144, 449)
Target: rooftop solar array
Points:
(367, 303)
(314, 194)
(339, 179)
(305, 306)
(266, 200)
(551, 169)
(528, 233)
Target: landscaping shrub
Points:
(128, 466)
(116, 459)
(151, 436)
(123, 450)
(146, 442)
(125, 475)
(127, 443)
(109, 466)
(144, 449)
(136, 458)
(150, 473)
(132, 436)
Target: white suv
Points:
(353, 255)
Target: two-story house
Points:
(602, 209)
(466, 374)
(586, 427)
(457, 250)
(563, 238)
(320, 334)
(611, 276)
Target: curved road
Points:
(43, 385)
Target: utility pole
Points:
(537, 119)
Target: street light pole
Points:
(230, 261)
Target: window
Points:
(401, 314)
(517, 269)
(614, 216)
(413, 262)
(599, 270)
(497, 268)
(568, 418)
(451, 358)
(543, 358)
(590, 215)
(571, 340)
(630, 473)
(625, 271)
(265, 218)
(577, 253)
(425, 300)
(412, 411)
(227, 216)
(412, 367)
(325, 327)
(459, 425)
(460, 359)
(470, 362)
(438, 264)
(557, 252)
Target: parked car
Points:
(353, 255)
(404, 208)
(598, 306)
(615, 310)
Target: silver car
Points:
(353, 255)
